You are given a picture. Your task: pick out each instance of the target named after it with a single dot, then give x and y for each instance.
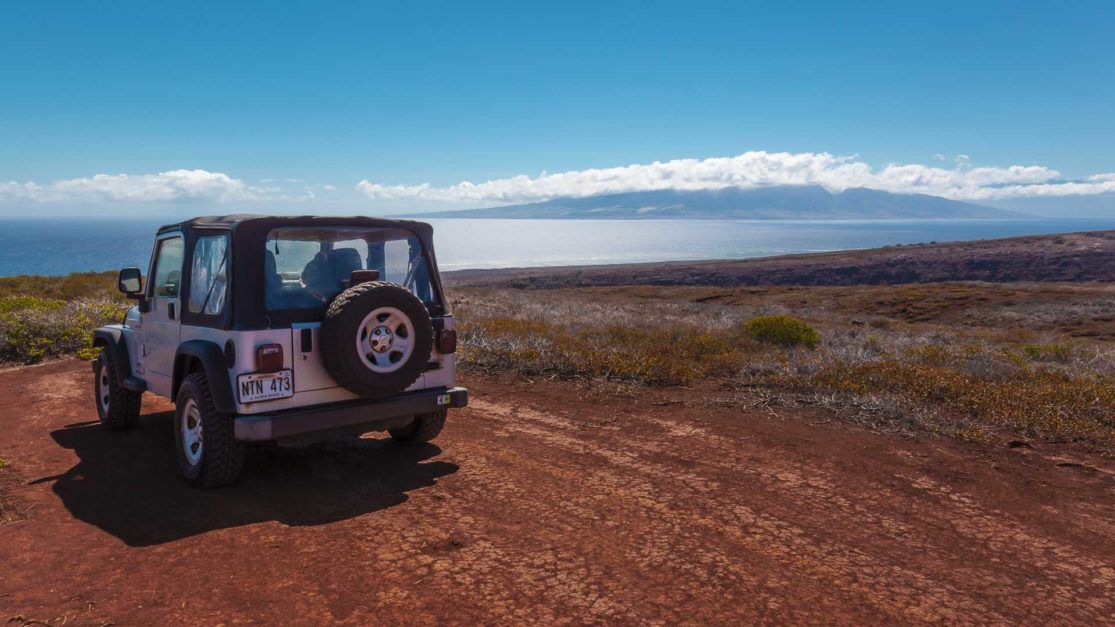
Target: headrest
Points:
(344, 262)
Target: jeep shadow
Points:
(127, 483)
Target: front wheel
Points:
(117, 407)
(422, 429)
(208, 452)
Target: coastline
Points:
(1063, 257)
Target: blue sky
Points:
(392, 105)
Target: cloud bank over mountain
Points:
(757, 169)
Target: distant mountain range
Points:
(784, 202)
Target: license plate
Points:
(265, 386)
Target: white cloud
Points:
(200, 186)
(751, 169)
(173, 185)
(755, 169)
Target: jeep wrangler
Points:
(286, 329)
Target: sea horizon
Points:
(57, 246)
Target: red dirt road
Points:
(549, 502)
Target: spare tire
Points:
(376, 338)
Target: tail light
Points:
(269, 357)
(446, 341)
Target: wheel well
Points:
(184, 365)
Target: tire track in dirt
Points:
(919, 596)
(665, 491)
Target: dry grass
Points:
(877, 364)
(95, 285)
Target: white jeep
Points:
(282, 329)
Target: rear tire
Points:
(117, 407)
(209, 454)
(424, 428)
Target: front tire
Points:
(117, 407)
(209, 454)
(424, 428)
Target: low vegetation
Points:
(43, 317)
(976, 361)
(95, 285)
(986, 370)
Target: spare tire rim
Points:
(385, 339)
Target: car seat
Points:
(343, 262)
(318, 278)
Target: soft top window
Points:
(305, 267)
(209, 275)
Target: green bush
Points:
(1060, 353)
(785, 331)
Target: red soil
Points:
(544, 502)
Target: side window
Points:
(209, 275)
(168, 267)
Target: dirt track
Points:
(550, 501)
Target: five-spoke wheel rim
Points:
(385, 339)
(103, 391)
(191, 432)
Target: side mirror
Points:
(130, 281)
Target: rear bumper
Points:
(356, 416)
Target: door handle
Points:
(170, 310)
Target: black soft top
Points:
(249, 233)
(239, 220)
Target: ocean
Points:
(60, 246)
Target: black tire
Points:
(342, 326)
(218, 457)
(423, 429)
(117, 407)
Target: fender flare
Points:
(113, 339)
(212, 361)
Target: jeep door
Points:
(161, 326)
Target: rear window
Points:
(306, 267)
